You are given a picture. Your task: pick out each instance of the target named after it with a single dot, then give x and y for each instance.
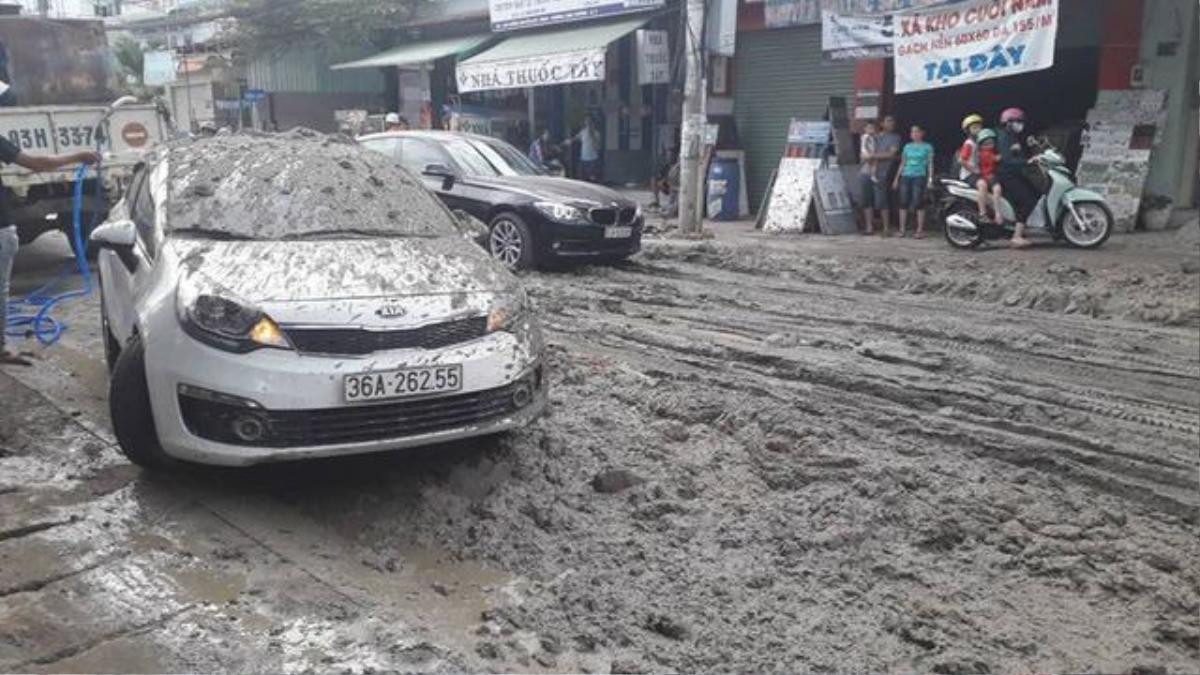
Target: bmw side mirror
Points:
(116, 235)
(471, 227)
(440, 171)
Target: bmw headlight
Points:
(218, 318)
(562, 213)
(508, 311)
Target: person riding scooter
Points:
(1011, 173)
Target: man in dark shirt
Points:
(11, 154)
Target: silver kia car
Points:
(270, 297)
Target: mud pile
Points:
(1161, 295)
(754, 464)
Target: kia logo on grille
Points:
(391, 310)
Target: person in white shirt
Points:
(589, 150)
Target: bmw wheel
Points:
(510, 241)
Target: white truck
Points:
(39, 202)
(59, 82)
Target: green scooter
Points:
(1064, 211)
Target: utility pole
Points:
(690, 215)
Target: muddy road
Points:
(760, 456)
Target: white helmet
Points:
(391, 118)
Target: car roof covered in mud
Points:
(277, 186)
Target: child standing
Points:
(916, 173)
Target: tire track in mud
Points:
(918, 471)
(727, 319)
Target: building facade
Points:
(1105, 51)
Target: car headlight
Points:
(218, 318)
(507, 312)
(562, 213)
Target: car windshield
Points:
(301, 184)
(490, 158)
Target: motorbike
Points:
(1064, 210)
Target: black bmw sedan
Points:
(532, 218)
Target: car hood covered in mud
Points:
(263, 271)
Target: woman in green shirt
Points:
(915, 174)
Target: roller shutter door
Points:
(779, 74)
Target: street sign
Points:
(253, 95)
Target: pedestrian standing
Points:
(540, 148)
(9, 241)
(916, 174)
(887, 150)
(873, 195)
(589, 150)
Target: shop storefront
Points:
(1084, 52)
(549, 64)
(567, 74)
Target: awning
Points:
(538, 59)
(418, 52)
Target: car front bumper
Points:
(574, 242)
(298, 398)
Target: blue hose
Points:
(41, 324)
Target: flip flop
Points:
(10, 359)
(919, 235)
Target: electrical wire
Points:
(40, 323)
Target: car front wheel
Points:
(511, 242)
(129, 407)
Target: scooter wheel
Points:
(958, 237)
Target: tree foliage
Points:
(274, 25)
(129, 56)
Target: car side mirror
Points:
(116, 235)
(440, 171)
(471, 227)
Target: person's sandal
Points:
(11, 359)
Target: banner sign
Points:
(516, 14)
(654, 57)
(801, 132)
(784, 13)
(535, 71)
(158, 68)
(973, 42)
(720, 30)
(856, 37)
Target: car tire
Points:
(510, 241)
(129, 408)
(112, 348)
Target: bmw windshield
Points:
(490, 158)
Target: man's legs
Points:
(866, 190)
(8, 251)
(882, 205)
